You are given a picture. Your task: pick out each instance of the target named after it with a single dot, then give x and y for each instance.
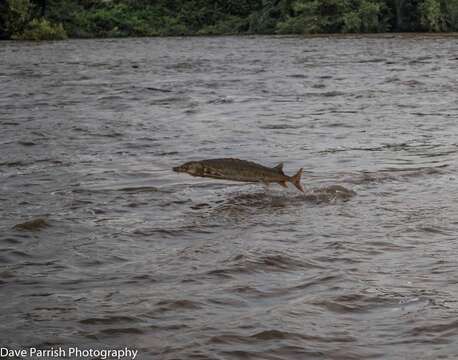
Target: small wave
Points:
(114, 98)
(173, 305)
(280, 335)
(298, 76)
(121, 331)
(191, 65)
(286, 291)
(264, 199)
(139, 189)
(278, 353)
(329, 194)
(128, 189)
(327, 93)
(32, 225)
(200, 206)
(26, 143)
(14, 163)
(142, 278)
(411, 83)
(112, 134)
(22, 255)
(370, 304)
(158, 89)
(280, 126)
(375, 60)
(221, 100)
(436, 230)
(421, 60)
(393, 147)
(107, 320)
(238, 205)
(265, 335)
(338, 125)
(251, 263)
(394, 174)
(45, 313)
(392, 79)
(172, 232)
(445, 328)
(10, 240)
(171, 100)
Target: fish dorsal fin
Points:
(279, 168)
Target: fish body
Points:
(240, 170)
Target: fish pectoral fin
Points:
(212, 172)
(218, 173)
(283, 183)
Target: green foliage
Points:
(450, 11)
(368, 17)
(14, 15)
(116, 18)
(369, 13)
(42, 29)
(291, 25)
(112, 22)
(431, 16)
(338, 16)
(322, 15)
(172, 26)
(229, 26)
(264, 20)
(352, 22)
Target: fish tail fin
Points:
(296, 180)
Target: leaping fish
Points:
(240, 170)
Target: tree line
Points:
(55, 19)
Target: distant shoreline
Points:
(246, 35)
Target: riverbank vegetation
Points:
(57, 19)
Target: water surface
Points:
(132, 254)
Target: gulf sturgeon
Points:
(240, 170)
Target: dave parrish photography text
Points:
(70, 353)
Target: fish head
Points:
(194, 168)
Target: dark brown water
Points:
(125, 252)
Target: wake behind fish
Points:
(269, 200)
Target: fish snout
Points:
(189, 167)
(181, 168)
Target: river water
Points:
(129, 253)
